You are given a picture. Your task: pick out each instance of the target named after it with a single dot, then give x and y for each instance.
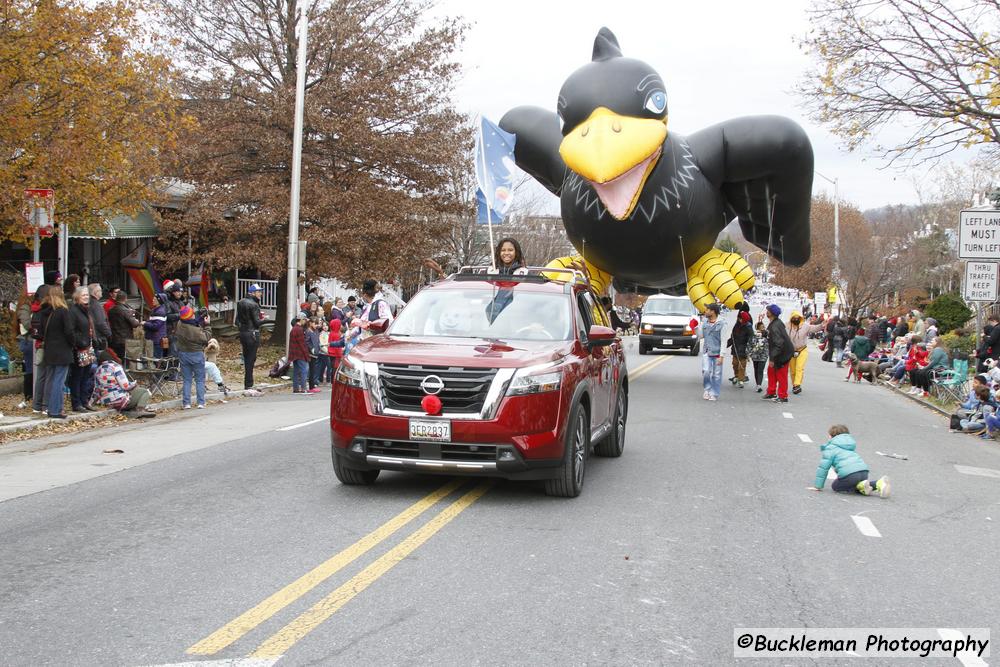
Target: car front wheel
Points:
(352, 476)
(695, 349)
(569, 481)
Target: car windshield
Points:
(678, 306)
(506, 314)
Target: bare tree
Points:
(380, 133)
(929, 66)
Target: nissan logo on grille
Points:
(432, 384)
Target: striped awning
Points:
(141, 226)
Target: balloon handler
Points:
(852, 471)
(644, 206)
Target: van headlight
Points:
(350, 373)
(647, 328)
(535, 380)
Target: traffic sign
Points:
(979, 235)
(981, 281)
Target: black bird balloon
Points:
(645, 205)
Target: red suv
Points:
(529, 375)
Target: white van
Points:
(666, 324)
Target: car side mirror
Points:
(378, 326)
(599, 336)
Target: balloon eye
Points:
(656, 102)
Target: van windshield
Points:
(679, 306)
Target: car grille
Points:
(668, 330)
(406, 449)
(464, 390)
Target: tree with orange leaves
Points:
(88, 109)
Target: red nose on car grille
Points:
(464, 389)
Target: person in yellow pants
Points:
(799, 332)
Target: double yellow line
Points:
(646, 367)
(282, 640)
(278, 643)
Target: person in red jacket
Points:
(298, 355)
(335, 347)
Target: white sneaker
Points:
(712, 398)
(705, 395)
(201, 407)
(186, 407)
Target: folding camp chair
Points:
(953, 383)
(161, 376)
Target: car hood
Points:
(467, 352)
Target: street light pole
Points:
(836, 226)
(291, 289)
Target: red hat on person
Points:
(743, 317)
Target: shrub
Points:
(950, 312)
(959, 345)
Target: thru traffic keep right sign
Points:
(981, 281)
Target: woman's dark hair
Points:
(518, 255)
(71, 283)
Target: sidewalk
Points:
(21, 423)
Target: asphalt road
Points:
(237, 546)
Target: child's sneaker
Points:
(704, 395)
(864, 487)
(882, 486)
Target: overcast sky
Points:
(720, 59)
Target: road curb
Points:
(926, 404)
(162, 405)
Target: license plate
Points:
(438, 430)
(668, 341)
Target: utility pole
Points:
(291, 289)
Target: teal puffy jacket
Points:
(839, 453)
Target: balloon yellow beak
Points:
(616, 154)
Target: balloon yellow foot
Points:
(599, 279)
(718, 276)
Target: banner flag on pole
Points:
(144, 280)
(198, 284)
(494, 171)
(139, 268)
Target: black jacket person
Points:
(248, 322)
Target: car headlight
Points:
(647, 328)
(350, 374)
(535, 380)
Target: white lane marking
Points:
(981, 472)
(295, 426)
(787, 415)
(866, 526)
(803, 437)
(231, 662)
(970, 660)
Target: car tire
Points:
(643, 349)
(613, 444)
(569, 481)
(353, 476)
(695, 349)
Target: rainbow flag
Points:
(200, 286)
(147, 281)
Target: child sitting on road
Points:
(852, 471)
